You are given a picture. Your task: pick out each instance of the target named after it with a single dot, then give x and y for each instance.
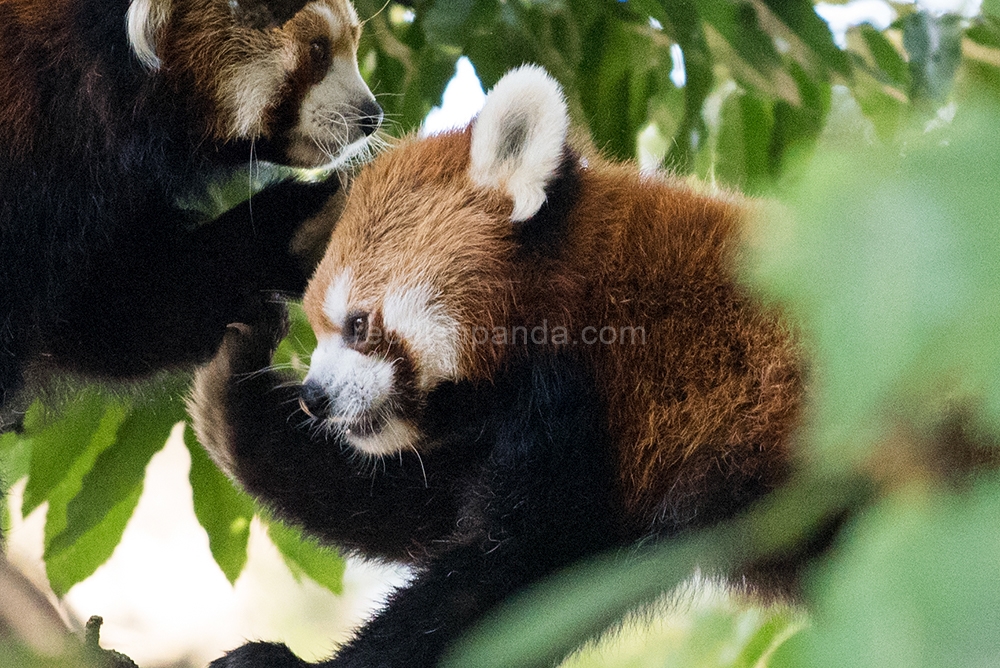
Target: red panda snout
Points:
(359, 396)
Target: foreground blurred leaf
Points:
(916, 583)
(891, 260)
(556, 616)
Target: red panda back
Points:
(702, 380)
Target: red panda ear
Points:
(518, 138)
(144, 21)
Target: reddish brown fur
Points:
(23, 24)
(717, 385)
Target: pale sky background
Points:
(162, 596)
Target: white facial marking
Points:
(251, 89)
(143, 21)
(337, 299)
(518, 138)
(356, 384)
(414, 314)
(359, 387)
(329, 117)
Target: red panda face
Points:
(280, 72)
(422, 262)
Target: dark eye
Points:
(319, 58)
(356, 329)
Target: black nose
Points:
(369, 116)
(313, 400)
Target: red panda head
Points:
(281, 72)
(421, 267)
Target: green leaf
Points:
(615, 83)
(889, 62)
(304, 555)
(552, 618)
(890, 263)
(796, 127)
(15, 458)
(738, 24)
(985, 31)
(684, 25)
(295, 349)
(119, 471)
(916, 585)
(742, 156)
(814, 32)
(935, 48)
(77, 561)
(222, 510)
(886, 112)
(57, 446)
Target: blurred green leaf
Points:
(915, 584)
(890, 260)
(889, 62)
(615, 84)
(742, 158)
(814, 32)
(304, 555)
(681, 21)
(934, 44)
(797, 126)
(552, 618)
(222, 510)
(738, 24)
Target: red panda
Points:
(116, 113)
(547, 355)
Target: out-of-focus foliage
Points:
(885, 244)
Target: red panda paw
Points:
(248, 346)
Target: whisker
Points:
(420, 459)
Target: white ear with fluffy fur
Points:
(518, 138)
